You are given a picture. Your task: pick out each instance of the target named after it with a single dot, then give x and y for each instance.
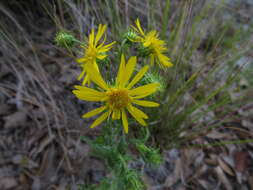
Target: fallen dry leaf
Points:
(241, 165)
(8, 183)
(5, 109)
(200, 171)
(251, 182)
(223, 178)
(247, 123)
(241, 161)
(5, 70)
(172, 179)
(205, 184)
(36, 185)
(23, 180)
(15, 120)
(225, 167)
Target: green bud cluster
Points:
(154, 77)
(65, 39)
(130, 35)
(150, 155)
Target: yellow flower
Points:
(93, 51)
(119, 98)
(152, 42)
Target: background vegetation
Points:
(203, 128)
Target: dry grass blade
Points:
(206, 101)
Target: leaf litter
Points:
(39, 151)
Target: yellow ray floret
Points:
(93, 51)
(121, 97)
(152, 42)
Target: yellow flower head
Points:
(152, 42)
(119, 98)
(93, 51)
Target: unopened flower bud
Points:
(150, 155)
(130, 35)
(64, 39)
(154, 77)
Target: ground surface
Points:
(40, 124)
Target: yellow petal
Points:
(96, 77)
(136, 115)
(101, 56)
(94, 112)
(145, 89)
(101, 31)
(116, 114)
(164, 60)
(100, 119)
(91, 37)
(88, 81)
(139, 113)
(129, 69)
(96, 66)
(147, 43)
(121, 70)
(145, 103)
(124, 121)
(88, 94)
(152, 59)
(106, 47)
(85, 80)
(81, 60)
(138, 38)
(87, 90)
(137, 77)
(102, 43)
(87, 97)
(138, 24)
(81, 75)
(153, 34)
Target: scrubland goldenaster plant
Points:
(119, 100)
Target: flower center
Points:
(118, 98)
